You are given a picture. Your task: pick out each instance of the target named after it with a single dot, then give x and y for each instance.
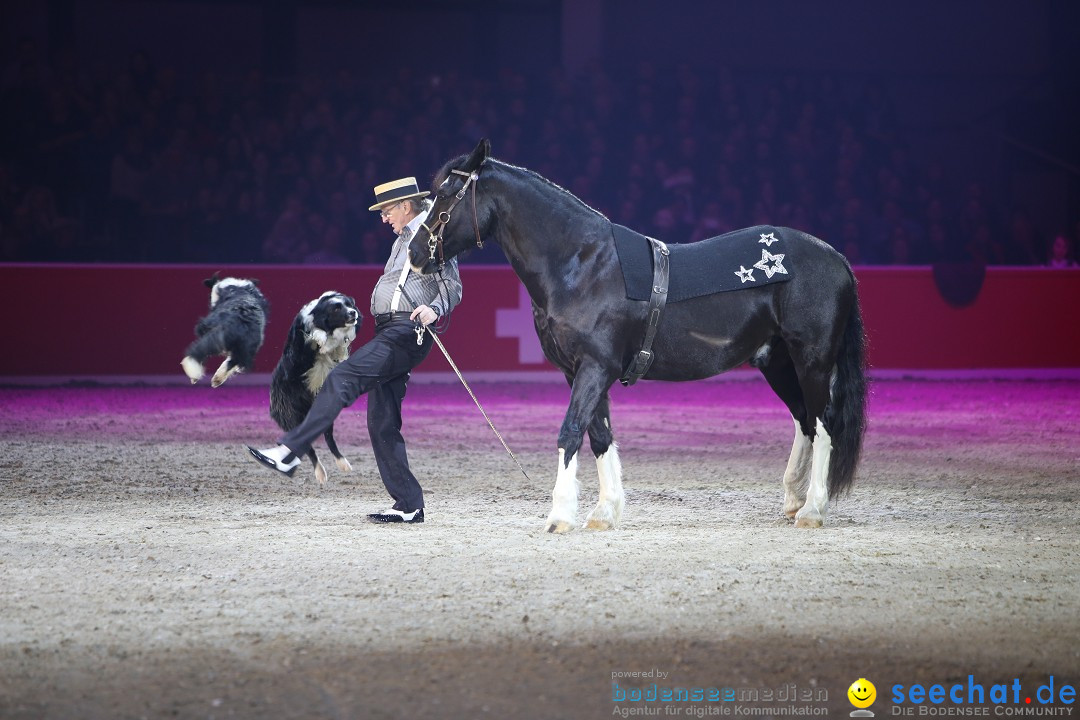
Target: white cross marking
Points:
(518, 323)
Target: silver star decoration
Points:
(745, 274)
(775, 267)
(768, 239)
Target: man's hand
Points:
(424, 314)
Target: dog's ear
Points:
(212, 280)
(255, 282)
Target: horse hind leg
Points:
(609, 507)
(816, 391)
(775, 364)
(797, 471)
(812, 513)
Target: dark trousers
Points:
(381, 369)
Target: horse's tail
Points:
(845, 417)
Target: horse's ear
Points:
(212, 280)
(480, 154)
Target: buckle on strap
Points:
(661, 270)
(640, 365)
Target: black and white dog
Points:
(234, 328)
(318, 340)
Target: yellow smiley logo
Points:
(862, 693)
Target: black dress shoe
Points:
(397, 516)
(286, 465)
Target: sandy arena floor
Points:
(150, 569)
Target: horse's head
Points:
(458, 217)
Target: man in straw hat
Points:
(381, 367)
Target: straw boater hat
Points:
(396, 191)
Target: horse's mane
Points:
(444, 171)
(456, 163)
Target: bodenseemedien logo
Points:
(652, 699)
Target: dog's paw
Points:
(223, 373)
(317, 339)
(221, 376)
(192, 368)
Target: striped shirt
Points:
(441, 290)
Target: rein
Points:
(435, 232)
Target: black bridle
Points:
(435, 232)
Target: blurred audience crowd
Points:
(148, 165)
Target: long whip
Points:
(435, 337)
(446, 354)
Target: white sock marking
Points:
(564, 496)
(817, 494)
(795, 474)
(609, 507)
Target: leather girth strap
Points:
(657, 301)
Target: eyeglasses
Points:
(385, 212)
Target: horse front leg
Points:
(589, 386)
(564, 496)
(609, 507)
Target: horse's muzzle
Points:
(426, 269)
(421, 262)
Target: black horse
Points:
(805, 335)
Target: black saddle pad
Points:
(734, 261)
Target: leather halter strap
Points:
(435, 231)
(661, 267)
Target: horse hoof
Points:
(793, 504)
(559, 527)
(809, 522)
(602, 518)
(343, 464)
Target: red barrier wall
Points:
(124, 320)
